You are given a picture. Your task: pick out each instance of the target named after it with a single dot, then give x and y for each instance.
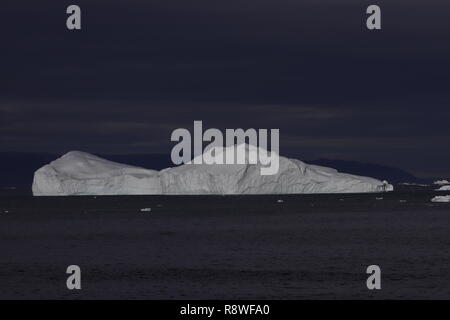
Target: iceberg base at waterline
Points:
(80, 173)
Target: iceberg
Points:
(441, 182)
(444, 188)
(80, 173)
(441, 199)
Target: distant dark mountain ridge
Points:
(17, 169)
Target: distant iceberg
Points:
(80, 173)
(444, 188)
(413, 184)
(442, 182)
(441, 199)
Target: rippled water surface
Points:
(231, 247)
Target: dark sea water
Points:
(226, 247)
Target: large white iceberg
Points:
(79, 173)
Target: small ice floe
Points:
(413, 184)
(280, 201)
(402, 201)
(441, 199)
(146, 209)
(444, 188)
(379, 198)
(5, 211)
(442, 182)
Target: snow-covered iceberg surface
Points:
(444, 188)
(441, 199)
(79, 173)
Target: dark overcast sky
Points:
(139, 69)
